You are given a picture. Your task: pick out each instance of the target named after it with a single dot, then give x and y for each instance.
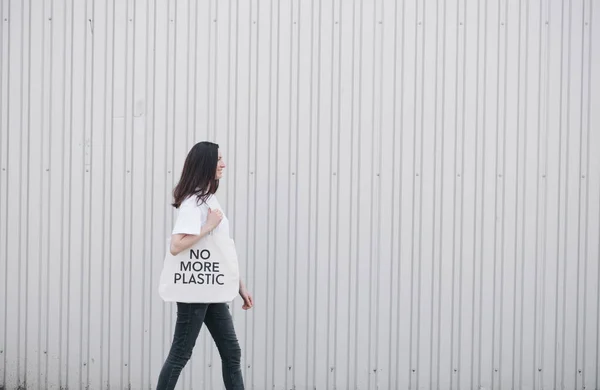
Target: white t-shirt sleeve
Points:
(191, 217)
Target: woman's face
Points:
(220, 166)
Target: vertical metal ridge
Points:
(437, 123)
(483, 181)
(316, 204)
(144, 205)
(20, 204)
(122, 330)
(373, 131)
(566, 190)
(545, 192)
(475, 193)
(598, 277)
(503, 228)
(537, 354)
(400, 159)
(170, 119)
(379, 191)
(70, 192)
(196, 19)
(329, 206)
(455, 355)
(189, 99)
(165, 146)
(62, 208)
(420, 235)
(351, 211)
(173, 58)
(580, 361)
(393, 232)
(391, 356)
(524, 194)
(296, 183)
(421, 170)
(40, 220)
(42, 320)
(89, 199)
(316, 176)
(235, 102)
(432, 324)
(246, 365)
(27, 198)
(358, 193)
(131, 10)
(4, 210)
(414, 180)
(587, 172)
(310, 187)
(228, 115)
(589, 68)
(453, 361)
(49, 195)
(44, 345)
(153, 139)
(337, 195)
(2, 17)
(70, 232)
(268, 238)
(107, 300)
(254, 173)
(228, 110)
(462, 21)
(543, 114)
(215, 76)
(150, 127)
(275, 179)
(559, 191)
(82, 196)
(589, 74)
(371, 206)
(514, 367)
(289, 187)
(110, 219)
(289, 197)
(495, 202)
(208, 66)
(503, 183)
(104, 159)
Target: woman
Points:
(199, 214)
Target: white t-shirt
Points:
(192, 216)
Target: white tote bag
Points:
(205, 273)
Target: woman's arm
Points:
(181, 242)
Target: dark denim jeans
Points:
(217, 318)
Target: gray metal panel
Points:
(413, 189)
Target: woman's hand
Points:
(248, 302)
(214, 218)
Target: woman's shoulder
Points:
(193, 202)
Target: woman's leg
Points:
(189, 321)
(220, 324)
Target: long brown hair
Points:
(198, 174)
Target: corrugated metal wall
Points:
(414, 188)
